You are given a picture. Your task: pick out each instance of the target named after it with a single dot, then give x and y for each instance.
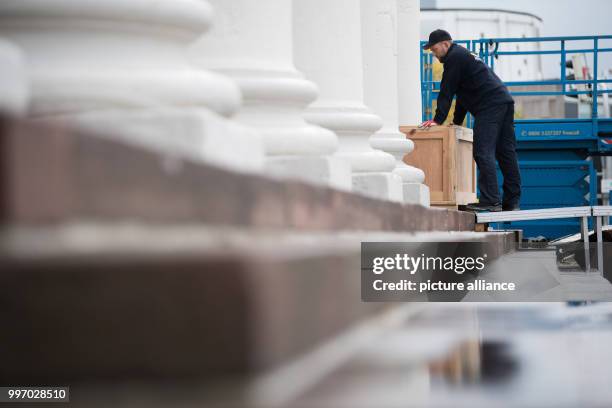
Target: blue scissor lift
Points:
(555, 155)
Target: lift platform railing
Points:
(488, 49)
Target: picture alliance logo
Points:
(411, 264)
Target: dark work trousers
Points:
(494, 139)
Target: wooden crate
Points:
(445, 155)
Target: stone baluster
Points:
(380, 39)
(329, 51)
(122, 66)
(252, 43)
(409, 80)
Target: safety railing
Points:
(488, 49)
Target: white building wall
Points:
(474, 24)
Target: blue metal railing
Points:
(488, 50)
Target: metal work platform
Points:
(539, 214)
(584, 213)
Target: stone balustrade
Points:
(220, 77)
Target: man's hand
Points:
(427, 124)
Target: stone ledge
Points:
(106, 313)
(50, 173)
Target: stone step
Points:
(50, 173)
(100, 302)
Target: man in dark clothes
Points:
(480, 92)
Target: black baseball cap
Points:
(435, 37)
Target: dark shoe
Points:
(512, 207)
(483, 207)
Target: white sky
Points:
(560, 18)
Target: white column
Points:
(252, 43)
(380, 45)
(14, 87)
(409, 14)
(329, 50)
(122, 65)
(409, 80)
